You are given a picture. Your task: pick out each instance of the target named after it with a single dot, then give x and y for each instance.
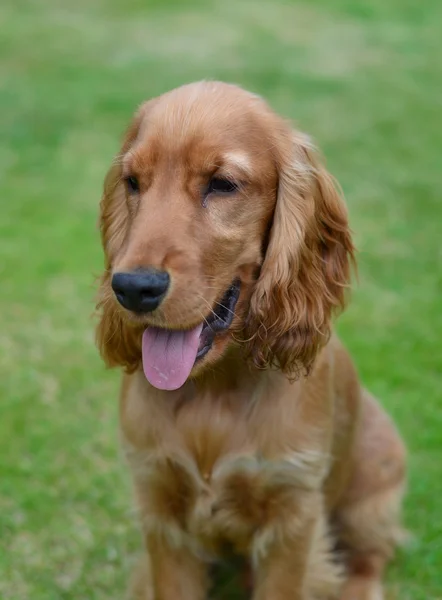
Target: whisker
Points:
(205, 320)
(208, 305)
(226, 308)
(118, 160)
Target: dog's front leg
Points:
(291, 559)
(280, 569)
(176, 573)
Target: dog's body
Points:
(302, 478)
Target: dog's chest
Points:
(212, 472)
(218, 488)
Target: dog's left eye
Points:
(218, 185)
(132, 184)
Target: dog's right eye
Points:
(219, 185)
(132, 184)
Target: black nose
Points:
(142, 290)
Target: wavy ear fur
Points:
(306, 268)
(119, 344)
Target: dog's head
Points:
(220, 227)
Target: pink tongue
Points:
(168, 356)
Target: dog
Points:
(245, 426)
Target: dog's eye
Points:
(218, 185)
(132, 184)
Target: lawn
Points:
(364, 78)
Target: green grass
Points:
(363, 77)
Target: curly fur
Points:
(307, 265)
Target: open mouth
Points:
(220, 319)
(169, 355)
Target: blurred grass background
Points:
(364, 78)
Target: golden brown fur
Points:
(271, 449)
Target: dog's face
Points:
(217, 224)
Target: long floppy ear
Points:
(119, 344)
(306, 268)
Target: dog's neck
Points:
(232, 372)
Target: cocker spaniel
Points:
(245, 426)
